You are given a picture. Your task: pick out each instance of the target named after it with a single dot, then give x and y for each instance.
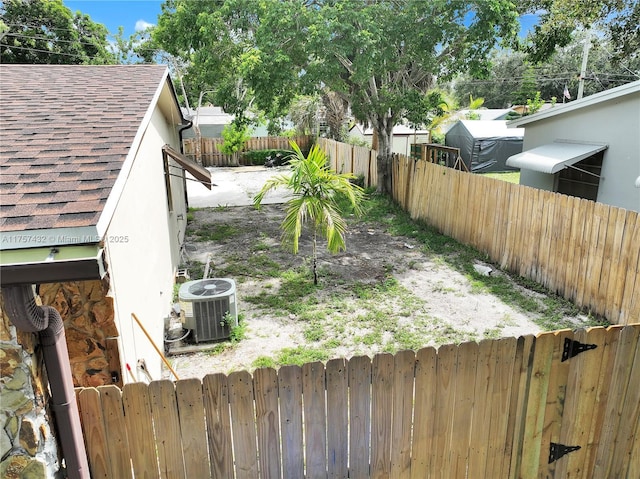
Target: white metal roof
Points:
(487, 113)
(553, 157)
(491, 129)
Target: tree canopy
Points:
(618, 20)
(513, 79)
(381, 56)
(46, 31)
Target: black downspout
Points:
(26, 316)
(184, 181)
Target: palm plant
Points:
(315, 189)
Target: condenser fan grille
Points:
(209, 287)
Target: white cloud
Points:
(143, 25)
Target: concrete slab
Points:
(235, 186)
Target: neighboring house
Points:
(485, 145)
(94, 205)
(588, 148)
(210, 119)
(402, 137)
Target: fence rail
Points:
(562, 404)
(209, 153)
(585, 251)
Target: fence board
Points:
(119, 454)
(404, 372)
(337, 419)
(216, 405)
(381, 415)
(500, 405)
(290, 392)
(313, 392)
(445, 395)
(583, 252)
(623, 265)
(359, 416)
(631, 300)
(535, 406)
(609, 350)
(164, 409)
(481, 418)
(139, 426)
(194, 435)
(629, 414)
(425, 411)
(94, 433)
(622, 365)
(265, 380)
(555, 399)
(517, 410)
(582, 387)
(243, 425)
(612, 265)
(593, 261)
(465, 373)
(561, 230)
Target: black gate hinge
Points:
(556, 451)
(573, 348)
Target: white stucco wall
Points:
(615, 122)
(401, 144)
(142, 246)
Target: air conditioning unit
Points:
(209, 306)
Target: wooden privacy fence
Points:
(562, 404)
(358, 160)
(210, 154)
(585, 251)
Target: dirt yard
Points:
(385, 293)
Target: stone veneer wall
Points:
(28, 449)
(88, 316)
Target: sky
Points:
(135, 15)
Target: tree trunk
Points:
(384, 129)
(315, 257)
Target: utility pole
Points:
(583, 68)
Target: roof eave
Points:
(607, 95)
(53, 265)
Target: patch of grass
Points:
(191, 213)
(492, 333)
(264, 362)
(406, 338)
(215, 232)
(509, 176)
(238, 331)
(261, 244)
(291, 297)
(301, 355)
(314, 332)
(217, 349)
(195, 269)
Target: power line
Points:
(81, 57)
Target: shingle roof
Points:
(65, 131)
